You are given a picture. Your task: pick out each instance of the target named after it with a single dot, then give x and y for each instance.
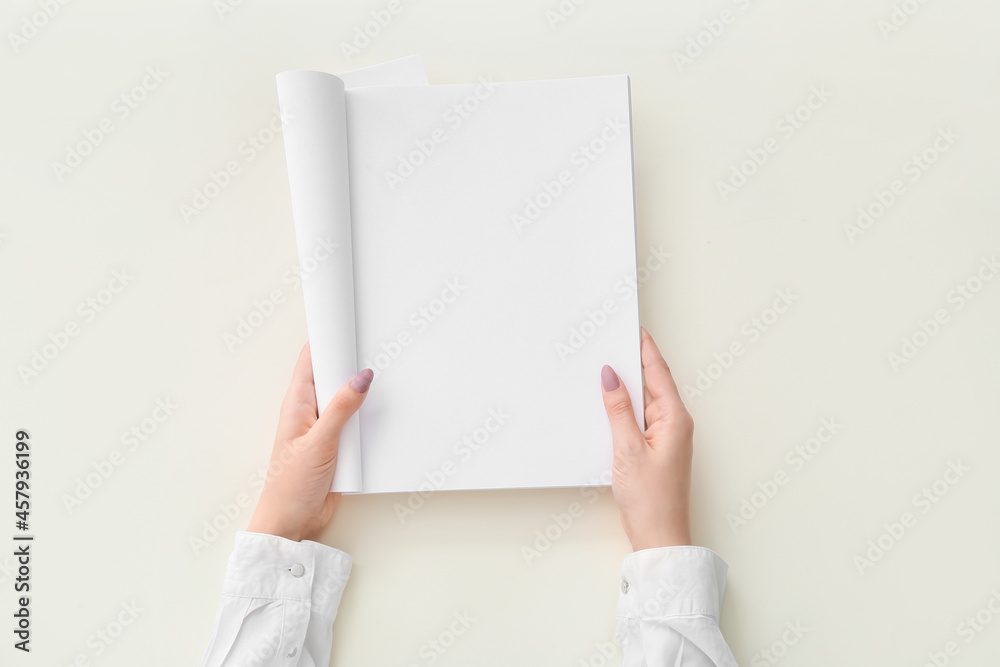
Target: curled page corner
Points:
(314, 125)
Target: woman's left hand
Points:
(296, 502)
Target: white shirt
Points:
(280, 598)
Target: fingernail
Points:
(609, 378)
(645, 334)
(362, 380)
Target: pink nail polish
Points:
(362, 380)
(609, 378)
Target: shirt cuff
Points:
(672, 581)
(268, 566)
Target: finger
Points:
(298, 409)
(344, 403)
(625, 432)
(660, 383)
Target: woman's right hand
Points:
(651, 475)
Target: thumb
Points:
(624, 429)
(342, 406)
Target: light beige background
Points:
(827, 356)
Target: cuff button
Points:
(624, 586)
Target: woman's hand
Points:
(651, 476)
(296, 502)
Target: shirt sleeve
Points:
(668, 609)
(278, 603)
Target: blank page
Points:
(493, 240)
